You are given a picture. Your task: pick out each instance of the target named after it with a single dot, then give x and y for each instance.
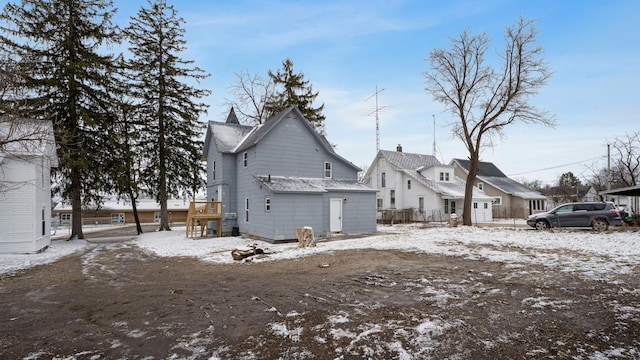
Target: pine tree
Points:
(165, 102)
(65, 77)
(294, 91)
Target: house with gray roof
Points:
(281, 175)
(421, 184)
(510, 198)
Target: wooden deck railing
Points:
(199, 215)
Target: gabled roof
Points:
(234, 138)
(232, 118)
(490, 174)
(403, 161)
(287, 184)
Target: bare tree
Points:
(23, 138)
(250, 96)
(486, 100)
(626, 160)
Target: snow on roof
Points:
(402, 160)
(122, 205)
(228, 135)
(490, 174)
(280, 184)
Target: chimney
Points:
(399, 148)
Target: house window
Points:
(383, 180)
(408, 184)
(441, 176)
(421, 205)
(44, 223)
(497, 201)
(486, 206)
(446, 205)
(446, 176)
(65, 219)
(213, 171)
(267, 204)
(475, 205)
(380, 203)
(245, 159)
(327, 169)
(117, 218)
(393, 198)
(481, 186)
(246, 209)
(156, 217)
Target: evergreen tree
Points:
(294, 90)
(64, 77)
(165, 102)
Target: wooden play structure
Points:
(199, 215)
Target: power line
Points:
(558, 166)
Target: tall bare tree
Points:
(626, 159)
(486, 99)
(250, 94)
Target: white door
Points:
(335, 215)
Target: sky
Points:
(348, 50)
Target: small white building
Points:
(27, 154)
(418, 182)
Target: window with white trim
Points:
(327, 170)
(408, 184)
(480, 186)
(245, 159)
(380, 203)
(475, 205)
(267, 204)
(497, 201)
(383, 179)
(246, 209)
(213, 170)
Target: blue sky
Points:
(345, 48)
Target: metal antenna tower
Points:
(376, 111)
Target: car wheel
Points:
(599, 225)
(542, 225)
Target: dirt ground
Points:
(118, 302)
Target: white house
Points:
(27, 154)
(421, 183)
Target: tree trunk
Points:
(474, 160)
(135, 212)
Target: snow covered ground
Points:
(599, 256)
(596, 255)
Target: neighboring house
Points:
(281, 175)
(510, 198)
(424, 185)
(27, 154)
(558, 195)
(121, 212)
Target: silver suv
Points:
(598, 215)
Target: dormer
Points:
(439, 173)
